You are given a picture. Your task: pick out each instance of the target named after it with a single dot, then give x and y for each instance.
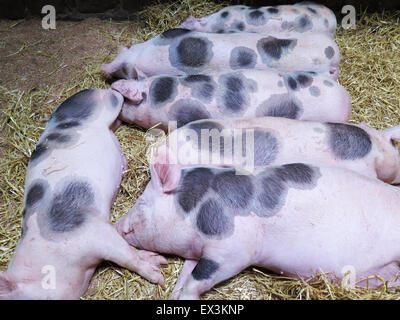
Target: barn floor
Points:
(41, 68)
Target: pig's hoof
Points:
(152, 258)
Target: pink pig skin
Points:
(368, 151)
(71, 183)
(238, 18)
(191, 52)
(263, 91)
(336, 219)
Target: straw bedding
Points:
(369, 71)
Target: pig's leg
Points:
(115, 249)
(216, 265)
(187, 269)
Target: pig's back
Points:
(297, 18)
(343, 219)
(92, 159)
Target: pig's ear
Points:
(167, 176)
(7, 284)
(392, 133)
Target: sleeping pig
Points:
(181, 51)
(258, 142)
(232, 94)
(301, 17)
(295, 219)
(72, 180)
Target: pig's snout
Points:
(127, 89)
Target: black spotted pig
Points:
(233, 94)
(301, 17)
(296, 219)
(71, 182)
(181, 51)
(257, 142)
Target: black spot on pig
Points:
(69, 207)
(35, 193)
(242, 58)
(326, 23)
(303, 23)
(212, 221)
(235, 96)
(191, 54)
(58, 137)
(272, 49)
(266, 148)
(162, 90)
(79, 106)
(68, 125)
(328, 83)
(271, 197)
(174, 33)
(292, 83)
(315, 91)
(224, 14)
(276, 181)
(348, 142)
(329, 52)
(192, 187)
(298, 173)
(256, 17)
(304, 80)
(202, 86)
(280, 105)
(300, 24)
(187, 110)
(197, 78)
(256, 14)
(40, 150)
(204, 269)
(297, 80)
(273, 10)
(313, 11)
(236, 191)
(240, 26)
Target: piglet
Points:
(257, 142)
(295, 219)
(301, 17)
(232, 94)
(72, 180)
(181, 51)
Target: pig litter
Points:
(41, 68)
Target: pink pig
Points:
(301, 17)
(257, 142)
(181, 51)
(233, 94)
(296, 219)
(71, 183)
